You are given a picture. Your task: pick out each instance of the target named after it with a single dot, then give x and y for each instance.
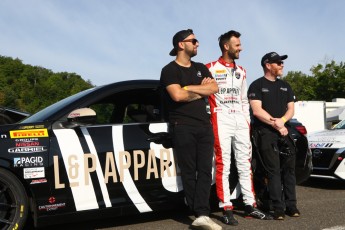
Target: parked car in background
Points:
(304, 163)
(105, 150)
(328, 149)
(9, 115)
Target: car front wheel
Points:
(13, 202)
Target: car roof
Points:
(77, 100)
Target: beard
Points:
(192, 53)
(233, 54)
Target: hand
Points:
(283, 131)
(278, 123)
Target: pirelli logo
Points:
(29, 133)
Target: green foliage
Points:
(32, 88)
(302, 85)
(326, 83)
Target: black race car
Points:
(104, 150)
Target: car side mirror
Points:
(83, 116)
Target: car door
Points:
(118, 160)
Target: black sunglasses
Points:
(277, 62)
(192, 40)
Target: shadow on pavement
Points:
(324, 183)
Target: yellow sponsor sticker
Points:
(220, 71)
(29, 133)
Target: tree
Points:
(31, 88)
(330, 81)
(326, 83)
(302, 85)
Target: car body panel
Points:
(328, 148)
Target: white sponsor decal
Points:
(30, 173)
(28, 161)
(31, 149)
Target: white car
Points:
(328, 149)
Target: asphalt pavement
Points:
(321, 202)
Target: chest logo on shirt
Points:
(264, 90)
(199, 74)
(283, 89)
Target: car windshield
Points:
(340, 125)
(48, 111)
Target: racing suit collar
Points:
(227, 64)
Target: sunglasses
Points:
(193, 41)
(278, 62)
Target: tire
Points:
(4, 119)
(13, 202)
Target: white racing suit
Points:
(231, 125)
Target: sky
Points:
(105, 41)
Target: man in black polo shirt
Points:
(272, 104)
(187, 85)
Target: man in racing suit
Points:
(230, 117)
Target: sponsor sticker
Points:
(31, 173)
(39, 181)
(31, 127)
(51, 207)
(28, 149)
(28, 161)
(29, 133)
(24, 142)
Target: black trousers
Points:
(280, 170)
(193, 146)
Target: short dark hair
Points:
(226, 37)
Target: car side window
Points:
(136, 112)
(104, 112)
(138, 105)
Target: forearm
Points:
(179, 94)
(263, 116)
(192, 96)
(203, 90)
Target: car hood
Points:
(334, 138)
